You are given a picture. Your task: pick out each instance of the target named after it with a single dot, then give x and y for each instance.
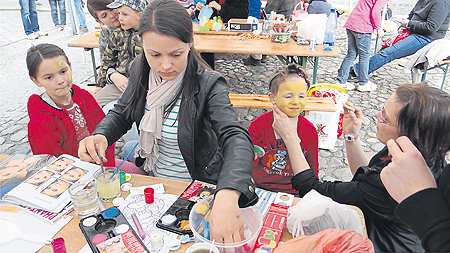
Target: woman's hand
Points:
(87, 150)
(226, 221)
(404, 22)
(215, 5)
(352, 120)
(199, 6)
(408, 172)
(119, 80)
(285, 126)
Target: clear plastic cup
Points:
(84, 197)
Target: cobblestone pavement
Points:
(16, 87)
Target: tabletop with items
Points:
(163, 209)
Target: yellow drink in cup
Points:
(108, 188)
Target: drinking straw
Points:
(117, 169)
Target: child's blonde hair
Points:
(282, 72)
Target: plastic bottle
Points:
(330, 31)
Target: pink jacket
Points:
(366, 16)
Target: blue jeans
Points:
(405, 47)
(127, 148)
(358, 44)
(29, 16)
(54, 5)
(80, 14)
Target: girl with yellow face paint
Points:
(273, 130)
(291, 96)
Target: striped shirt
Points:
(170, 163)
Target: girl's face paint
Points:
(55, 75)
(63, 65)
(291, 97)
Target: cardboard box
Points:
(272, 229)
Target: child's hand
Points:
(119, 80)
(285, 126)
(87, 150)
(352, 120)
(215, 5)
(380, 33)
(199, 6)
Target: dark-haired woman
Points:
(417, 111)
(188, 128)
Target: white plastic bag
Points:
(313, 27)
(326, 124)
(316, 212)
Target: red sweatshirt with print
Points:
(273, 171)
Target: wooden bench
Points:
(260, 101)
(441, 65)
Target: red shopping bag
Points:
(402, 33)
(325, 90)
(328, 240)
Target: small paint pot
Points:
(58, 245)
(126, 187)
(149, 194)
(156, 241)
(174, 244)
(118, 201)
(122, 177)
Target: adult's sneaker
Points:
(32, 36)
(39, 33)
(369, 86)
(347, 85)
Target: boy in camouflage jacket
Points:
(123, 46)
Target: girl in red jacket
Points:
(64, 114)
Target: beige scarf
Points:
(160, 93)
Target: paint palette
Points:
(176, 218)
(109, 231)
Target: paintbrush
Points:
(101, 161)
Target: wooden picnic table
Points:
(74, 239)
(231, 43)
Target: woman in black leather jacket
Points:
(417, 111)
(168, 75)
